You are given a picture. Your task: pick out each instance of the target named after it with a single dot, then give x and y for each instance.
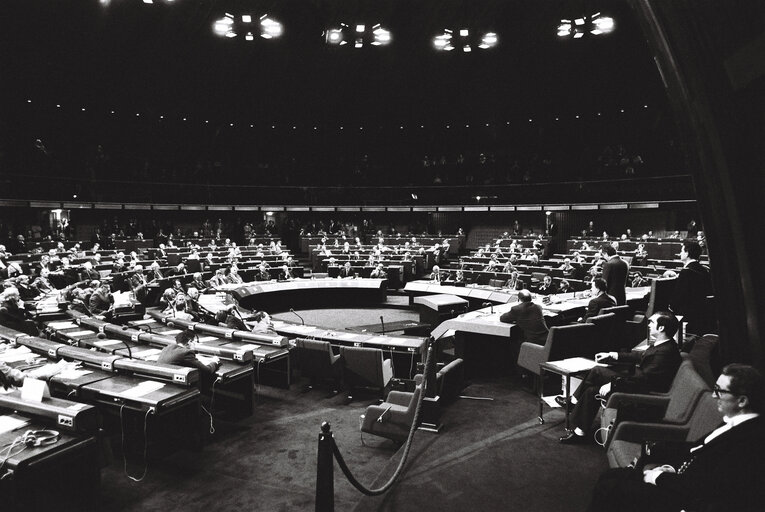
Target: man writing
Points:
(656, 367)
(724, 470)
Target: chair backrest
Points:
(661, 294)
(497, 283)
(569, 341)
(684, 392)
(704, 356)
(604, 339)
(705, 417)
(622, 312)
(314, 357)
(363, 366)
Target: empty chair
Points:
(604, 339)
(562, 342)
(318, 362)
(365, 368)
(705, 357)
(392, 418)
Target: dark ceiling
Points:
(165, 58)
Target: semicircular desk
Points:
(283, 295)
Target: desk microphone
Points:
(382, 323)
(300, 317)
(102, 336)
(489, 304)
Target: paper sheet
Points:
(143, 389)
(9, 424)
(206, 339)
(108, 343)
(62, 325)
(74, 373)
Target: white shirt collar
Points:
(688, 262)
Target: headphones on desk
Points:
(34, 438)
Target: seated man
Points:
(264, 324)
(13, 315)
(102, 300)
(546, 288)
(600, 299)
(13, 377)
(181, 355)
(347, 271)
(379, 272)
(286, 273)
(435, 275)
(656, 367)
(724, 470)
(528, 316)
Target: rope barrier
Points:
(327, 502)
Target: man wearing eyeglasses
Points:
(724, 470)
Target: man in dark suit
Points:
(101, 300)
(528, 316)
(692, 286)
(347, 271)
(181, 355)
(600, 299)
(615, 271)
(656, 367)
(724, 470)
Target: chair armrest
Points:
(399, 398)
(419, 379)
(617, 399)
(371, 415)
(637, 432)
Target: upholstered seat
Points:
(318, 362)
(392, 418)
(365, 368)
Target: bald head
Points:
(524, 296)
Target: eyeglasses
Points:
(716, 391)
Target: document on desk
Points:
(576, 364)
(72, 374)
(206, 339)
(10, 423)
(107, 343)
(15, 355)
(142, 389)
(78, 333)
(62, 325)
(150, 354)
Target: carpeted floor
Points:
(490, 455)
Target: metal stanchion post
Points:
(325, 478)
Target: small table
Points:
(433, 308)
(566, 368)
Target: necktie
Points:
(684, 467)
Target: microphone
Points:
(102, 336)
(490, 304)
(300, 317)
(382, 323)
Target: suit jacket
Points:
(598, 303)
(179, 355)
(528, 316)
(615, 271)
(656, 367)
(348, 273)
(725, 474)
(99, 302)
(692, 286)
